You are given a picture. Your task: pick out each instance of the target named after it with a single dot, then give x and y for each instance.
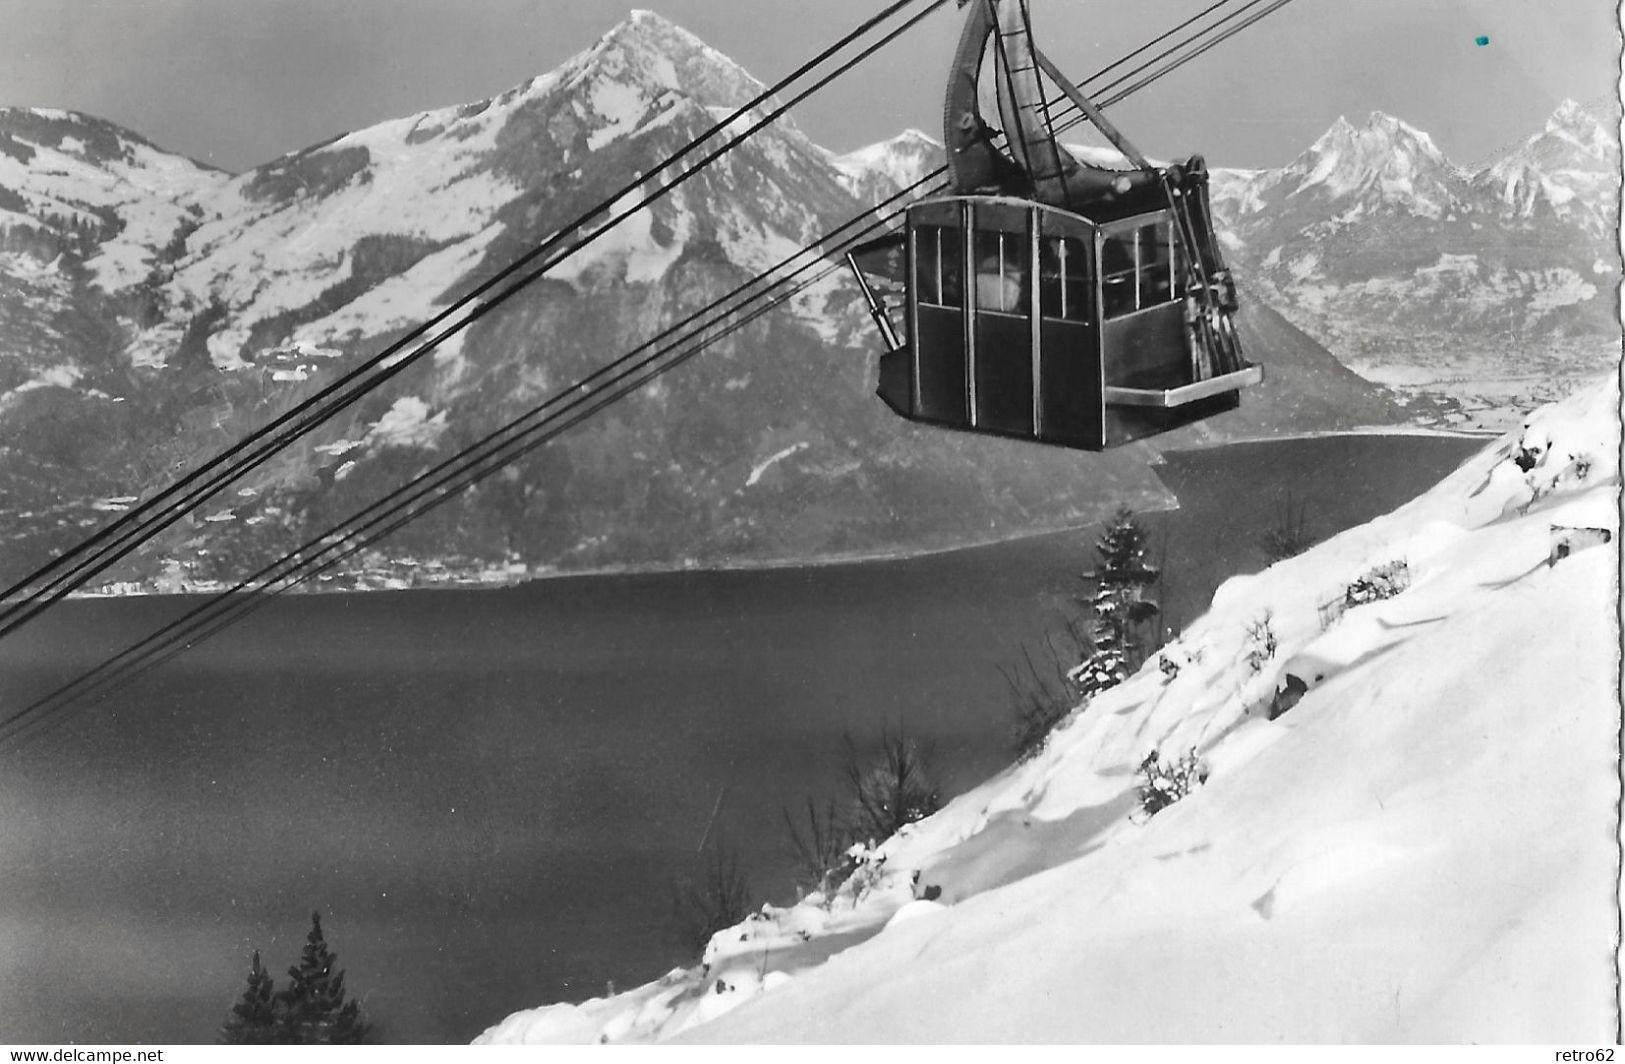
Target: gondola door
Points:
(1068, 315)
(1002, 338)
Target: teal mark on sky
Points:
(1481, 40)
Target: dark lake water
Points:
(489, 794)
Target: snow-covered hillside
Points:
(1419, 846)
(68, 176)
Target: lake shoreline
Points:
(472, 582)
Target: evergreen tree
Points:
(253, 1020)
(1118, 607)
(313, 1007)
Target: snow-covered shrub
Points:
(1102, 670)
(1167, 783)
(1382, 582)
(867, 865)
(1175, 656)
(1261, 643)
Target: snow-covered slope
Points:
(86, 210)
(1420, 846)
(66, 177)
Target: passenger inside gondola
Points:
(1001, 273)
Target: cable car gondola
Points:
(1045, 298)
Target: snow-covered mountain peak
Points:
(1387, 161)
(1575, 137)
(876, 171)
(1570, 169)
(1568, 110)
(1587, 124)
(1394, 126)
(1341, 130)
(648, 50)
(909, 140)
(1384, 145)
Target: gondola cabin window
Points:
(1137, 267)
(939, 265)
(1001, 271)
(1064, 279)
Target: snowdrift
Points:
(1407, 831)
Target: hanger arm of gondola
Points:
(1087, 106)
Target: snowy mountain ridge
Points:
(1472, 292)
(1386, 158)
(434, 192)
(1390, 163)
(1405, 833)
(1570, 168)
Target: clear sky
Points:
(237, 82)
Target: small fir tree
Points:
(253, 1020)
(314, 1009)
(1118, 607)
